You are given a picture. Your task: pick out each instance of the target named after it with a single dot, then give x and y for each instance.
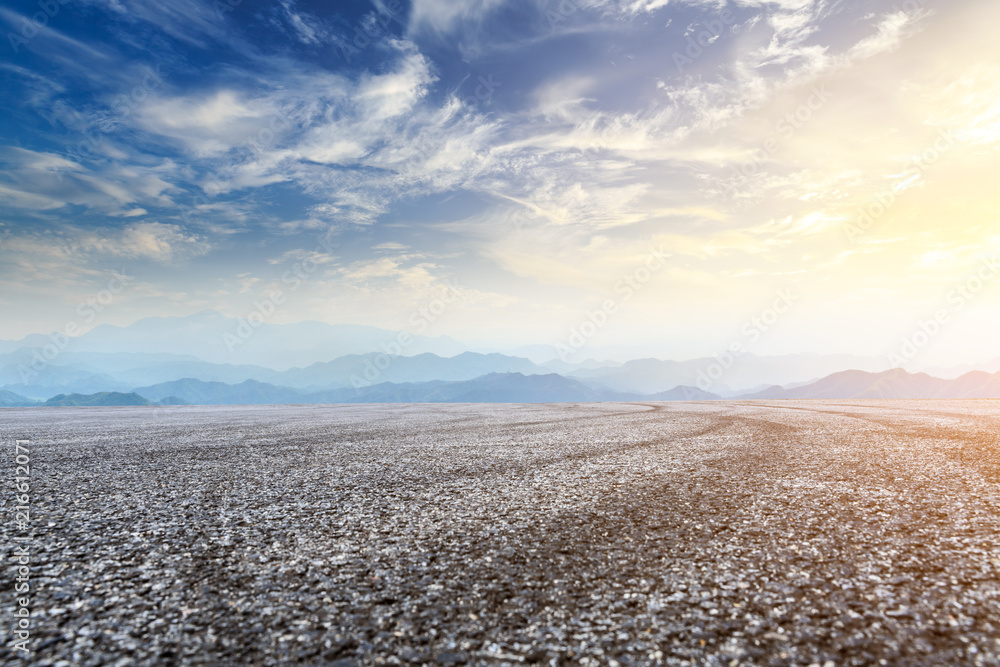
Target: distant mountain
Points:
(548, 356)
(111, 363)
(641, 375)
(202, 370)
(494, 387)
(213, 337)
(539, 354)
(9, 399)
(742, 373)
(138, 368)
(521, 388)
(51, 379)
(385, 392)
(489, 388)
(198, 392)
(892, 384)
(172, 400)
(515, 387)
(196, 360)
(76, 372)
(368, 369)
(518, 388)
(105, 398)
(992, 366)
(565, 368)
(372, 369)
(683, 393)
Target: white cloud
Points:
(50, 37)
(314, 124)
(306, 27)
(197, 23)
(67, 254)
(158, 242)
(207, 125)
(890, 32)
(349, 125)
(640, 6)
(36, 180)
(443, 16)
(564, 99)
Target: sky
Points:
(673, 178)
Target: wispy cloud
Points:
(447, 16)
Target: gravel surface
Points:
(740, 533)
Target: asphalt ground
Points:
(719, 533)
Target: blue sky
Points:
(526, 156)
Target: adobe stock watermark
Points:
(967, 289)
(909, 6)
(223, 7)
(369, 28)
(20, 552)
(607, 134)
(698, 41)
(483, 93)
(419, 321)
(522, 216)
(219, 180)
(123, 106)
(785, 128)
(88, 309)
(562, 10)
(264, 308)
(29, 29)
(751, 331)
(628, 286)
(870, 213)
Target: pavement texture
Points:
(719, 533)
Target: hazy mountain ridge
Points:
(9, 399)
(892, 384)
(490, 388)
(345, 361)
(351, 370)
(107, 398)
(76, 372)
(198, 392)
(213, 337)
(743, 372)
(521, 388)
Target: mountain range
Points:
(178, 360)
(213, 337)
(520, 388)
(892, 384)
(490, 388)
(104, 398)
